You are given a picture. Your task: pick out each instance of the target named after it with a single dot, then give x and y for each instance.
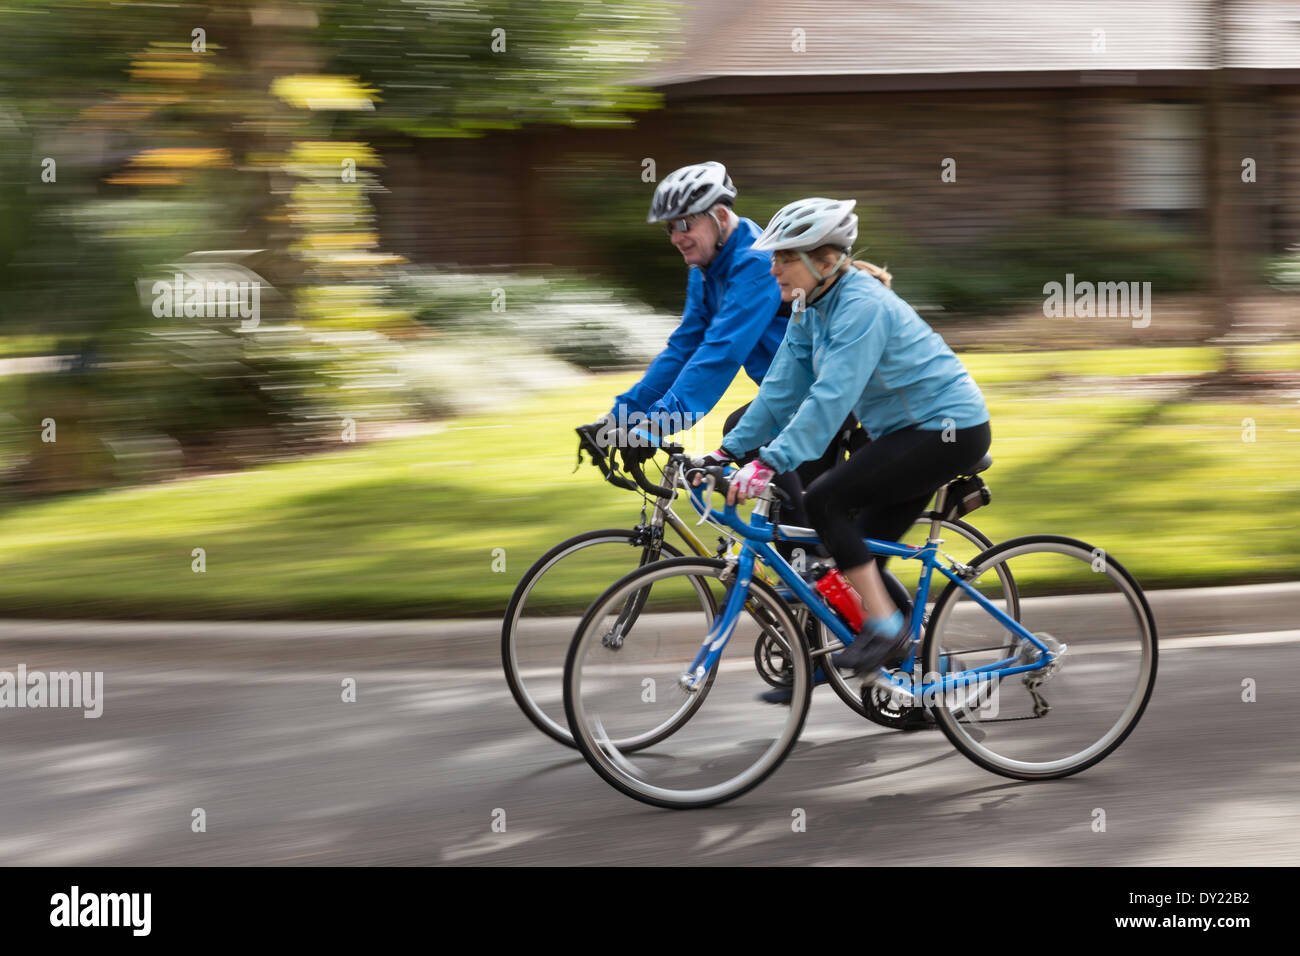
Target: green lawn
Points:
(409, 527)
(13, 346)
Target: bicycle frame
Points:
(759, 533)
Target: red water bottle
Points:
(839, 594)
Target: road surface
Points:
(247, 722)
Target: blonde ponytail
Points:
(885, 277)
(831, 252)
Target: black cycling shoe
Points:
(865, 654)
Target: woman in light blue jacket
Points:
(856, 347)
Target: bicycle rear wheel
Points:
(1061, 718)
(547, 605)
(626, 684)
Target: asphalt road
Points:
(247, 722)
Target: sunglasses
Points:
(680, 225)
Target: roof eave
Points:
(794, 83)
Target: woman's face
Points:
(793, 276)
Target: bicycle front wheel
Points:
(625, 683)
(547, 605)
(1066, 704)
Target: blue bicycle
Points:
(1044, 691)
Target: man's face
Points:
(698, 244)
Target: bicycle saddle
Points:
(984, 464)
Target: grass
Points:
(997, 368)
(413, 527)
(16, 346)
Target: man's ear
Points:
(723, 212)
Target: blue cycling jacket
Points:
(731, 319)
(862, 349)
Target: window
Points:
(1163, 159)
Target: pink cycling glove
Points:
(752, 480)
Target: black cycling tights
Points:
(885, 485)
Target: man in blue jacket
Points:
(734, 315)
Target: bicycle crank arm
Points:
(898, 691)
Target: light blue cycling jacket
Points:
(732, 318)
(862, 349)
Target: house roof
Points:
(938, 43)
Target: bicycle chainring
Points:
(888, 710)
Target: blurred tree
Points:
(244, 126)
(457, 68)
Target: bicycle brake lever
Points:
(709, 484)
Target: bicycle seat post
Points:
(940, 503)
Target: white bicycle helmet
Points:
(805, 224)
(690, 190)
(808, 224)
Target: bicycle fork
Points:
(723, 626)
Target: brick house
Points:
(1062, 108)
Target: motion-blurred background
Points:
(441, 205)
